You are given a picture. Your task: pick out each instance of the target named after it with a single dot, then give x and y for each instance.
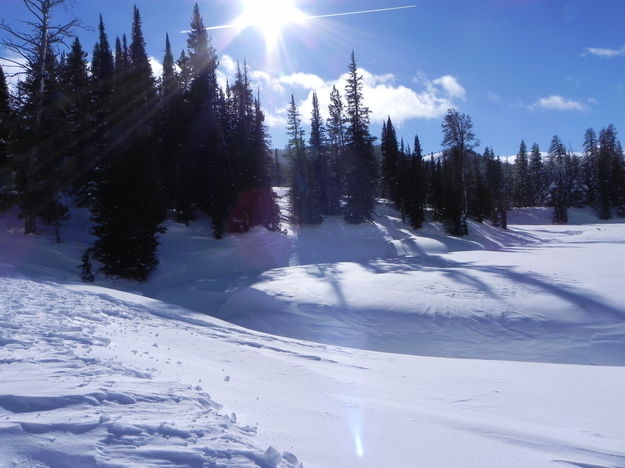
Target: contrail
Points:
(330, 15)
(361, 12)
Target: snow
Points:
(333, 346)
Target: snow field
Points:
(500, 349)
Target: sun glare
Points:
(269, 16)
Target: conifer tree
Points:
(103, 102)
(361, 166)
(458, 138)
(128, 210)
(521, 178)
(335, 126)
(319, 161)
(557, 192)
(390, 162)
(536, 176)
(413, 185)
(76, 111)
(37, 159)
(589, 166)
(170, 126)
(303, 203)
(6, 121)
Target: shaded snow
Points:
(115, 374)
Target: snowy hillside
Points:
(365, 346)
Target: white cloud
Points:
(556, 102)
(274, 120)
(605, 53)
(451, 86)
(385, 98)
(306, 81)
(228, 64)
(427, 99)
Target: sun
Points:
(269, 17)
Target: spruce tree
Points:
(589, 166)
(390, 162)
(536, 176)
(557, 191)
(319, 161)
(335, 127)
(128, 208)
(303, 204)
(103, 103)
(361, 166)
(77, 128)
(170, 127)
(521, 178)
(458, 138)
(414, 185)
(6, 122)
(38, 159)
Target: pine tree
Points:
(413, 185)
(301, 194)
(103, 104)
(6, 122)
(128, 209)
(319, 161)
(76, 129)
(589, 166)
(536, 176)
(557, 192)
(170, 126)
(335, 126)
(361, 166)
(390, 162)
(618, 179)
(521, 178)
(458, 138)
(37, 160)
(264, 210)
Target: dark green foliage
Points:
(558, 189)
(39, 159)
(412, 178)
(318, 153)
(536, 176)
(522, 186)
(76, 129)
(458, 138)
(303, 191)
(6, 122)
(335, 127)
(360, 163)
(390, 163)
(126, 226)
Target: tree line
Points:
(132, 148)
(340, 170)
(137, 150)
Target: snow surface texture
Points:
(83, 385)
(116, 375)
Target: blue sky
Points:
(522, 69)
